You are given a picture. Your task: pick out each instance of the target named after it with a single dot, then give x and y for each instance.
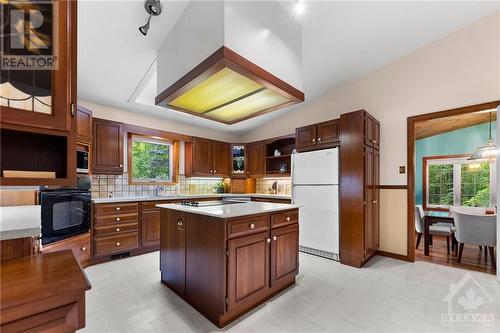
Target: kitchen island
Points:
(224, 259)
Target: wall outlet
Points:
(402, 169)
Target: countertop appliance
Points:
(82, 161)
(66, 212)
(315, 187)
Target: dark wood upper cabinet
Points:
(44, 98)
(318, 136)
(221, 158)
(284, 250)
(359, 198)
(205, 157)
(83, 125)
(239, 158)
(107, 147)
(248, 270)
(255, 159)
(305, 137)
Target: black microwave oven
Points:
(82, 161)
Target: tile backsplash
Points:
(104, 186)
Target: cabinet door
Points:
(83, 125)
(376, 199)
(284, 253)
(150, 228)
(328, 133)
(238, 161)
(255, 162)
(368, 199)
(202, 157)
(107, 147)
(173, 250)
(305, 137)
(376, 134)
(43, 97)
(369, 129)
(221, 158)
(248, 270)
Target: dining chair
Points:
(473, 227)
(434, 230)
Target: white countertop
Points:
(20, 222)
(189, 197)
(231, 210)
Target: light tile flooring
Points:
(386, 296)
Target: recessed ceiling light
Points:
(299, 7)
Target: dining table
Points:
(431, 217)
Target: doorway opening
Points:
(449, 190)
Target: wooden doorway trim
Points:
(410, 131)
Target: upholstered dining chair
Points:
(434, 230)
(475, 227)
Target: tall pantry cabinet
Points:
(359, 195)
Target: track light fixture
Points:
(153, 8)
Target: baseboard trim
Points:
(393, 255)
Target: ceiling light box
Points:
(218, 64)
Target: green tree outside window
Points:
(151, 161)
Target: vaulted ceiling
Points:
(341, 42)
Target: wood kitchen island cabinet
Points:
(224, 260)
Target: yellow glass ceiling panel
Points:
(245, 107)
(224, 86)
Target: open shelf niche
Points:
(279, 166)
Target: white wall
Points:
(458, 70)
(142, 119)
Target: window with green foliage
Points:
(151, 160)
(459, 182)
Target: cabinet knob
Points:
(274, 238)
(288, 218)
(268, 240)
(215, 171)
(252, 226)
(248, 172)
(374, 141)
(117, 229)
(83, 249)
(117, 243)
(117, 219)
(118, 208)
(121, 165)
(313, 140)
(319, 139)
(374, 201)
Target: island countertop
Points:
(232, 210)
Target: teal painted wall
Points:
(462, 141)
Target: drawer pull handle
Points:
(268, 240)
(83, 249)
(117, 219)
(117, 229)
(374, 201)
(274, 238)
(117, 243)
(288, 218)
(252, 226)
(118, 208)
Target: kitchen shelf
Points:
(277, 157)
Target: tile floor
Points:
(386, 296)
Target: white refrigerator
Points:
(315, 187)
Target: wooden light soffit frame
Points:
(220, 59)
(410, 139)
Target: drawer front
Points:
(118, 208)
(116, 243)
(246, 226)
(118, 228)
(115, 219)
(285, 218)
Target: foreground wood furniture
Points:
(224, 267)
(18, 247)
(42, 293)
(359, 197)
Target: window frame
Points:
(173, 161)
(456, 161)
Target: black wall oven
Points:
(65, 213)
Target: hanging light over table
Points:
(486, 152)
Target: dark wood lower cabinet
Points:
(226, 267)
(150, 228)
